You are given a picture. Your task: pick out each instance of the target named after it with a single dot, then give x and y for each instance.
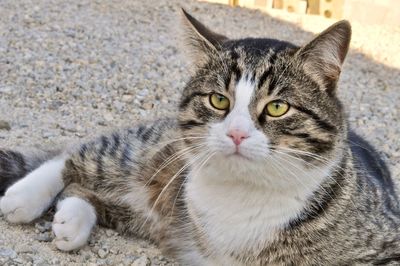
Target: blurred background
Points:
(375, 23)
(364, 11)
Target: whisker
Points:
(298, 179)
(328, 176)
(202, 164)
(183, 168)
(172, 159)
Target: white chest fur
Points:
(237, 216)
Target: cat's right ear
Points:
(323, 57)
(202, 42)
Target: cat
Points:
(258, 168)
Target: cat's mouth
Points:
(237, 154)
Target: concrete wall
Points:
(364, 11)
(372, 11)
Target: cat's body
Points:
(230, 181)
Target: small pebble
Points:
(101, 262)
(142, 261)
(19, 260)
(127, 98)
(4, 125)
(108, 117)
(110, 232)
(8, 253)
(48, 134)
(24, 248)
(43, 226)
(25, 257)
(44, 237)
(114, 250)
(147, 105)
(38, 261)
(103, 253)
(55, 261)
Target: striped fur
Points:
(16, 164)
(302, 189)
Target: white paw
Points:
(73, 223)
(22, 203)
(29, 197)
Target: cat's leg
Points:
(78, 210)
(28, 198)
(13, 166)
(75, 218)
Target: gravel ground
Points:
(70, 69)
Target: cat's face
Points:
(256, 101)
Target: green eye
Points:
(219, 101)
(277, 108)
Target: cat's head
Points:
(266, 102)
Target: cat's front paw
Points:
(73, 223)
(22, 203)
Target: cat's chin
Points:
(239, 157)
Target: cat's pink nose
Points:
(237, 136)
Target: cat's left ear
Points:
(203, 43)
(323, 57)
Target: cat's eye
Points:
(277, 108)
(219, 101)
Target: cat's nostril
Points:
(237, 136)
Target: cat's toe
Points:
(70, 236)
(21, 206)
(73, 223)
(14, 211)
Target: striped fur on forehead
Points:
(254, 63)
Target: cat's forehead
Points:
(251, 52)
(247, 71)
(257, 47)
(254, 60)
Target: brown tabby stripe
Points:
(12, 168)
(140, 131)
(323, 198)
(267, 73)
(82, 151)
(146, 134)
(116, 143)
(272, 85)
(15, 165)
(190, 124)
(264, 77)
(386, 261)
(323, 124)
(104, 142)
(126, 156)
(186, 100)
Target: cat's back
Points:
(379, 207)
(368, 163)
(130, 151)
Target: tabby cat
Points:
(259, 167)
